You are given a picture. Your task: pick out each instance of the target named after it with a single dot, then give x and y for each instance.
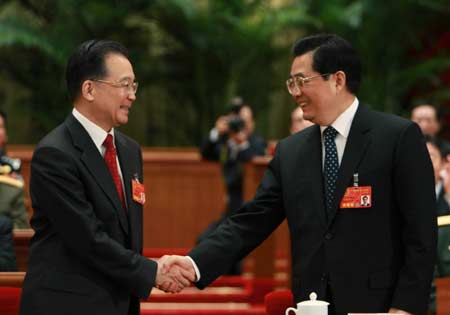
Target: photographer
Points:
(233, 143)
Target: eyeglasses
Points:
(295, 83)
(130, 86)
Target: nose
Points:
(297, 92)
(132, 95)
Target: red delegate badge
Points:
(138, 191)
(357, 197)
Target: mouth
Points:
(126, 108)
(302, 104)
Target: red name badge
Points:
(357, 197)
(138, 191)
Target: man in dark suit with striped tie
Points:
(362, 259)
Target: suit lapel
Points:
(131, 169)
(128, 172)
(357, 143)
(308, 154)
(316, 173)
(96, 165)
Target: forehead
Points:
(302, 64)
(118, 67)
(424, 111)
(245, 112)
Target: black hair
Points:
(236, 105)
(332, 53)
(88, 62)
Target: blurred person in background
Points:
(440, 176)
(298, 122)
(428, 118)
(442, 268)
(12, 198)
(232, 142)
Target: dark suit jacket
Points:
(371, 258)
(85, 254)
(442, 207)
(443, 256)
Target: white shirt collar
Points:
(344, 121)
(438, 188)
(97, 134)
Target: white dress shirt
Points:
(98, 136)
(342, 125)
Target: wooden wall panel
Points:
(184, 198)
(443, 296)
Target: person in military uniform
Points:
(12, 198)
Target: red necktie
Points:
(111, 162)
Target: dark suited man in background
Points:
(362, 260)
(443, 212)
(232, 142)
(441, 186)
(85, 256)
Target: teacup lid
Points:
(313, 301)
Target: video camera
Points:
(236, 124)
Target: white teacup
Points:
(310, 307)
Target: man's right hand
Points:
(173, 276)
(222, 125)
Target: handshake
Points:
(174, 273)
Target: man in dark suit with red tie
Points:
(86, 192)
(361, 259)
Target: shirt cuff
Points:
(214, 135)
(197, 272)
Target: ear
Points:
(88, 90)
(341, 81)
